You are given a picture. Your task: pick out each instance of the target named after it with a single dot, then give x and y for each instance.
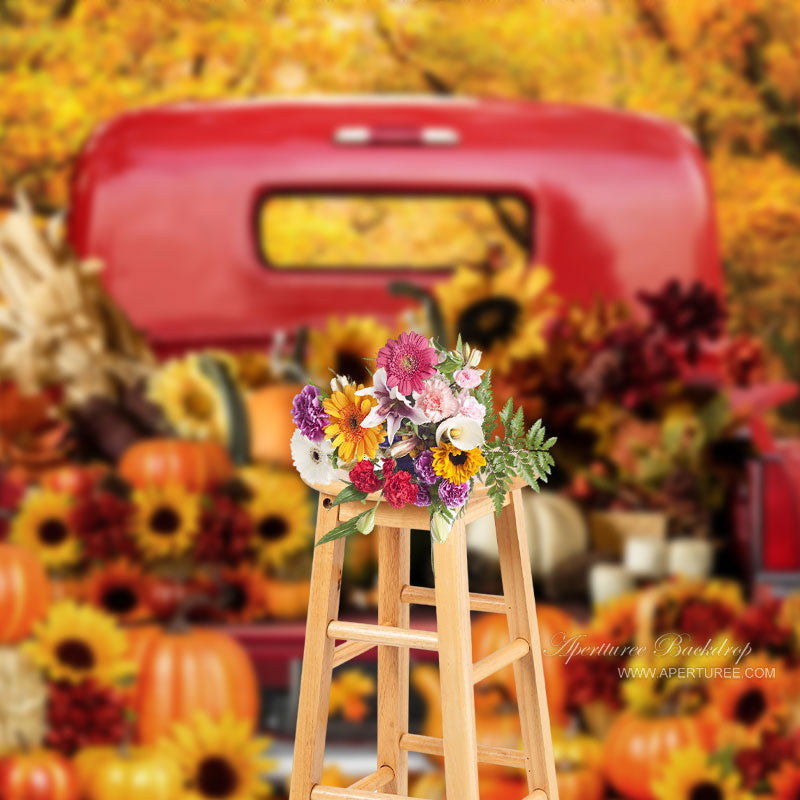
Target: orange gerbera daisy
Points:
(244, 594)
(347, 412)
(752, 702)
(119, 589)
(786, 783)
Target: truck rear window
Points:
(370, 231)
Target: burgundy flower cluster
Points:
(399, 488)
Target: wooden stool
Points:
(394, 638)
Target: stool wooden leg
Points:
(393, 575)
(315, 683)
(534, 717)
(455, 666)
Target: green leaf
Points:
(505, 414)
(518, 424)
(549, 443)
(348, 495)
(344, 529)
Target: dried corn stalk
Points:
(57, 324)
(23, 695)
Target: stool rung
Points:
(375, 780)
(536, 794)
(320, 792)
(421, 596)
(348, 651)
(383, 634)
(487, 754)
(508, 654)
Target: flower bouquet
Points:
(424, 433)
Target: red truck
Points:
(190, 207)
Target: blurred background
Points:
(205, 205)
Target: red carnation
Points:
(364, 478)
(400, 490)
(388, 466)
(102, 521)
(84, 715)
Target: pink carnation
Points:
(468, 406)
(437, 400)
(408, 361)
(468, 378)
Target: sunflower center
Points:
(53, 532)
(216, 777)
(706, 790)
(750, 706)
(351, 366)
(120, 599)
(489, 321)
(198, 405)
(235, 597)
(272, 528)
(165, 521)
(459, 458)
(76, 654)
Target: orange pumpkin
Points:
(183, 672)
(197, 466)
(636, 748)
(24, 592)
(37, 775)
(578, 767)
(269, 412)
(286, 599)
(73, 478)
(490, 633)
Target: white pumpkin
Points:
(555, 527)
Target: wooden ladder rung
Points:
(383, 634)
(487, 754)
(349, 650)
(420, 596)
(508, 654)
(320, 792)
(375, 780)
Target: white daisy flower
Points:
(312, 459)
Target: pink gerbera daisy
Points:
(408, 361)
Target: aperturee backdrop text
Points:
(422, 434)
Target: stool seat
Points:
(394, 638)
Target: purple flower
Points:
(454, 495)
(423, 497)
(392, 407)
(308, 414)
(423, 466)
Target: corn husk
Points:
(57, 323)
(23, 697)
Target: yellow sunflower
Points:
(346, 412)
(280, 507)
(189, 399)
(501, 311)
(76, 642)
(43, 525)
(343, 346)
(454, 465)
(689, 774)
(350, 695)
(166, 520)
(220, 759)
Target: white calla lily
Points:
(461, 431)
